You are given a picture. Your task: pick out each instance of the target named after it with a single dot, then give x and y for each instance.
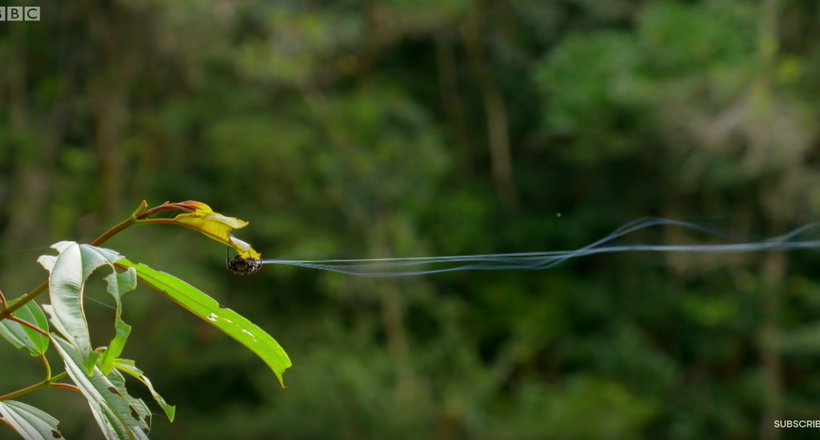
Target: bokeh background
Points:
(379, 128)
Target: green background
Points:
(379, 128)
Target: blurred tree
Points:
(403, 128)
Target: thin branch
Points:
(42, 384)
(23, 391)
(6, 313)
(29, 325)
(66, 386)
(46, 365)
(141, 213)
(114, 231)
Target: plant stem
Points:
(7, 311)
(37, 386)
(46, 365)
(66, 386)
(29, 325)
(23, 300)
(140, 214)
(113, 231)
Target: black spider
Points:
(243, 266)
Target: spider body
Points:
(243, 266)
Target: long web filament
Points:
(413, 266)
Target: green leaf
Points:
(111, 408)
(69, 271)
(139, 410)
(205, 307)
(118, 285)
(28, 421)
(21, 336)
(128, 366)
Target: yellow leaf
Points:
(245, 250)
(200, 217)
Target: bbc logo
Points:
(19, 13)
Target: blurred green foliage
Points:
(356, 129)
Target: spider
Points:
(243, 266)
